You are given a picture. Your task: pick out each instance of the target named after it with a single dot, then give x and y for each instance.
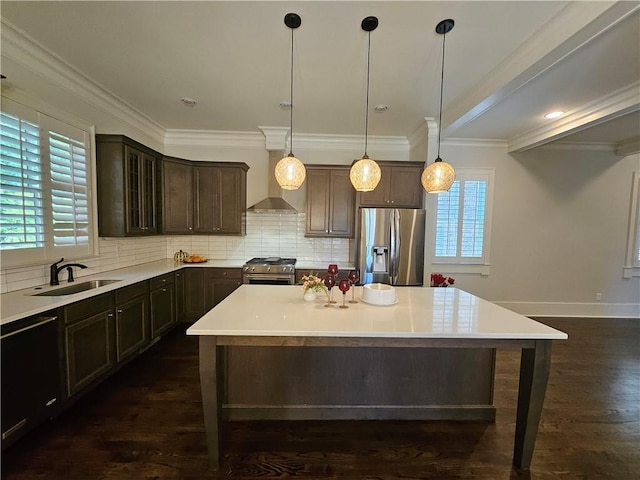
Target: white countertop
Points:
(21, 303)
(267, 310)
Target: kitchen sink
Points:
(75, 288)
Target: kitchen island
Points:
(458, 331)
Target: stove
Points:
(269, 271)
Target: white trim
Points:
(586, 146)
(474, 142)
(608, 107)
(461, 268)
(582, 310)
(628, 147)
(311, 141)
(27, 52)
(631, 267)
(213, 138)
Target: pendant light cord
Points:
(291, 100)
(444, 39)
(366, 116)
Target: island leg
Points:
(534, 374)
(211, 396)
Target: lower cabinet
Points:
(219, 283)
(205, 287)
(162, 299)
(89, 335)
(179, 287)
(31, 380)
(193, 293)
(132, 319)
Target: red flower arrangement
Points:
(439, 280)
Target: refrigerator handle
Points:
(394, 247)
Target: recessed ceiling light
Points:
(552, 115)
(188, 102)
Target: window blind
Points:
(461, 220)
(45, 188)
(21, 184)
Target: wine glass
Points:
(329, 282)
(333, 269)
(354, 277)
(344, 288)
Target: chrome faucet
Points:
(54, 270)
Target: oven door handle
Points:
(268, 276)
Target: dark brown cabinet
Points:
(400, 186)
(89, 341)
(193, 293)
(177, 191)
(179, 287)
(127, 187)
(204, 197)
(330, 202)
(132, 320)
(219, 284)
(31, 383)
(204, 288)
(162, 301)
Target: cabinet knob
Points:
(164, 280)
(190, 228)
(110, 315)
(224, 274)
(164, 289)
(119, 310)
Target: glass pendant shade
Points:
(290, 172)
(438, 177)
(365, 175)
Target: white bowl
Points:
(379, 294)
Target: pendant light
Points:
(365, 173)
(439, 176)
(289, 171)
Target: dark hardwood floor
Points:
(146, 423)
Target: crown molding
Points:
(628, 147)
(350, 142)
(275, 137)
(574, 25)
(608, 107)
(474, 142)
(25, 51)
(213, 138)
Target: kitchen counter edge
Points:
(21, 304)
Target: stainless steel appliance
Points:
(390, 246)
(270, 271)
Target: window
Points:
(462, 224)
(45, 188)
(632, 267)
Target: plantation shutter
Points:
(45, 188)
(461, 220)
(69, 190)
(21, 184)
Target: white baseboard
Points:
(561, 309)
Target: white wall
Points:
(560, 223)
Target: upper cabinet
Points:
(400, 186)
(330, 202)
(203, 197)
(127, 187)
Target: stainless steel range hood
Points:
(274, 203)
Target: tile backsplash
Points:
(268, 234)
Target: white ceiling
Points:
(507, 63)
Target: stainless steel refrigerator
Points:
(390, 246)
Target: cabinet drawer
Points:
(86, 308)
(224, 272)
(127, 293)
(161, 281)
